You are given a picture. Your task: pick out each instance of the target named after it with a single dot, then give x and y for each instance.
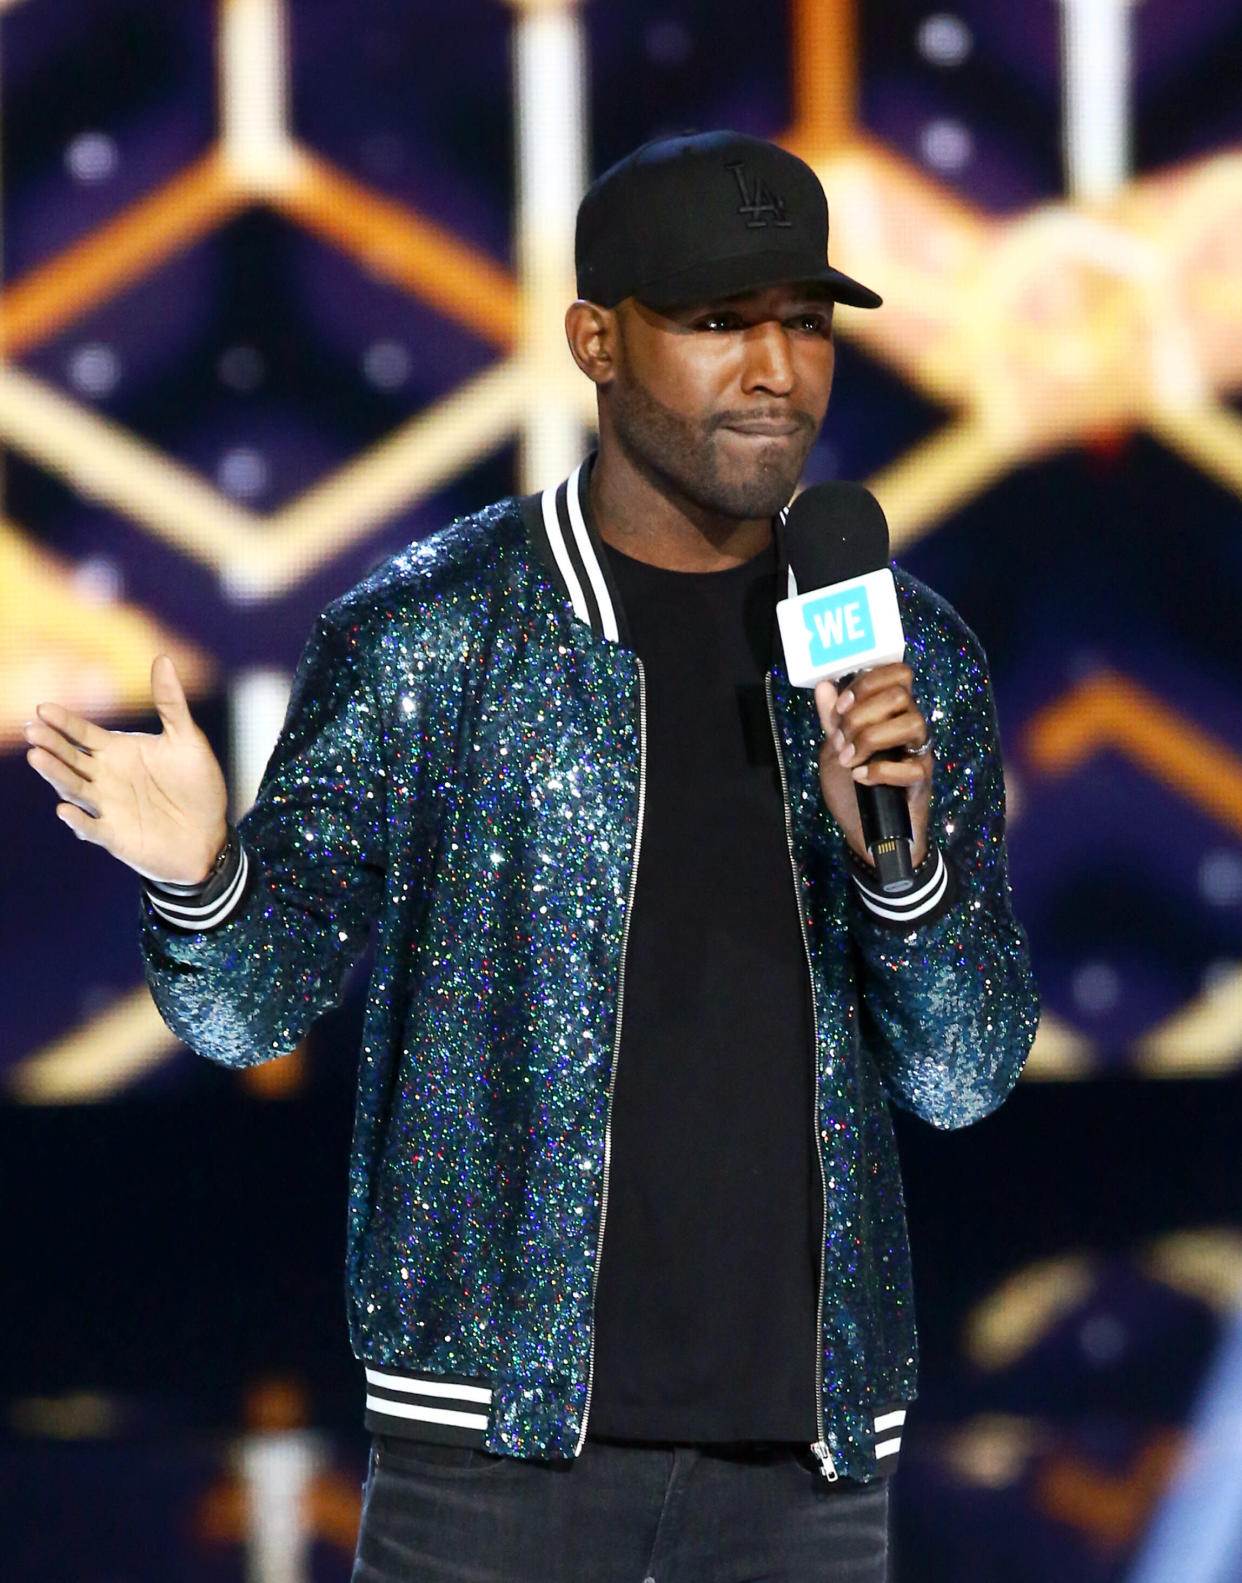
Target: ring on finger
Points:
(919, 752)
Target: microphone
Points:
(842, 617)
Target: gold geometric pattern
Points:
(1109, 712)
(255, 161)
(1051, 328)
(67, 641)
(1036, 332)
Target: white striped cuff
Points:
(197, 915)
(933, 893)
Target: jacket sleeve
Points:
(248, 988)
(949, 1008)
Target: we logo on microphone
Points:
(838, 625)
(850, 626)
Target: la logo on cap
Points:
(759, 203)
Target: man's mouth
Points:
(768, 426)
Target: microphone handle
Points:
(885, 816)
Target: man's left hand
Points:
(874, 712)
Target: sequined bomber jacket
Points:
(461, 773)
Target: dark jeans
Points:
(618, 1514)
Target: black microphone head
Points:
(833, 532)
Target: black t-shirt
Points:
(706, 1303)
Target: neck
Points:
(651, 523)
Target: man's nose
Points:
(769, 361)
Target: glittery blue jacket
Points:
(462, 768)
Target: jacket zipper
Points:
(616, 1040)
(820, 1449)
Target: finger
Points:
(82, 732)
(893, 772)
(168, 696)
(863, 712)
(830, 753)
(59, 746)
(826, 704)
(898, 731)
(81, 823)
(64, 782)
(867, 683)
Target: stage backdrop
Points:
(282, 290)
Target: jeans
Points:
(617, 1514)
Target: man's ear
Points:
(592, 335)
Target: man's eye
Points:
(717, 322)
(813, 323)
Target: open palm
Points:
(158, 802)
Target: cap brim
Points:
(732, 277)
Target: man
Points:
(627, 1261)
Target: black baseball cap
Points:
(706, 215)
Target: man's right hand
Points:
(158, 803)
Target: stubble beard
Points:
(681, 455)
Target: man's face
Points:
(723, 401)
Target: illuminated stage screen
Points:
(283, 282)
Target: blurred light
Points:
(994, 1450)
(946, 145)
(944, 39)
(550, 76)
(252, 56)
(1219, 973)
(79, 1415)
(1220, 878)
(95, 1000)
(1201, 1038)
(258, 699)
(277, 1470)
(668, 43)
(94, 369)
(1196, 1533)
(387, 364)
(1096, 987)
(1102, 1338)
(240, 586)
(243, 473)
(1096, 48)
(1204, 1263)
(98, 690)
(241, 368)
(92, 157)
(1015, 795)
(1015, 1318)
(98, 579)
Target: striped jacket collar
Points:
(563, 532)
